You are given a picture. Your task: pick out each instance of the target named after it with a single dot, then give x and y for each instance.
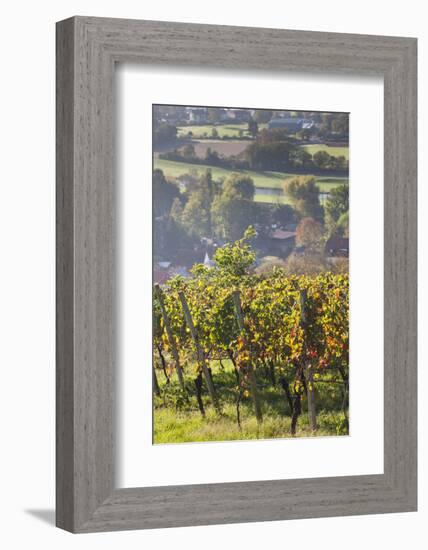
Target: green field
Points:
(184, 423)
(272, 180)
(272, 199)
(334, 151)
(224, 130)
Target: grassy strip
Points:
(272, 180)
(185, 424)
(173, 427)
(272, 199)
(313, 148)
(223, 130)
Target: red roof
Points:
(160, 276)
(281, 234)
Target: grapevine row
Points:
(294, 329)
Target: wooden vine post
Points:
(248, 367)
(310, 391)
(171, 338)
(156, 388)
(199, 351)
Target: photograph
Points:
(250, 274)
(194, 352)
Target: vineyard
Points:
(241, 356)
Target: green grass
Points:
(334, 151)
(224, 130)
(272, 180)
(175, 427)
(272, 199)
(185, 424)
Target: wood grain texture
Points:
(64, 277)
(87, 49)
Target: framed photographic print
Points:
(238, 237)
(236, 274)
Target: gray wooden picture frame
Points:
(87, 50)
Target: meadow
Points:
(262, 180)
(184, 423)
(228, 130)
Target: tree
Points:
(176, 211)
(326, 119)
(208, 188)
(196, 217)
(341, 163)
(164, 193)
(262, 115)
(340, 124)
(164, 133)
(336, 205)
(239, 186)
(309, 233)
(169, 236)
(321, 159)
(283, 214)
(304, 194)
(230, 214)
(253, 127)
(303, 134)
(214, 133)
(211, 156)
(342, 225)
(269, 156)
(237, 257)
(189, 151)
(214, 115)
(301, 158)
(275, 134)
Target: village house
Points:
(239, 115)
(337, 247)
(281, 242)
(183, 261)
(197, 115)
(292, 124)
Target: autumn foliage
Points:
(274, 338)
